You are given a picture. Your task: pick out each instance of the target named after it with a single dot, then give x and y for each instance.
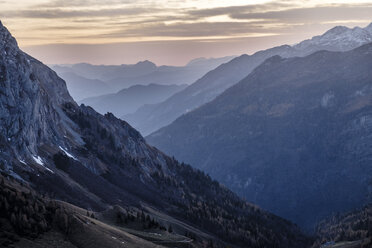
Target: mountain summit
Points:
(339, 38)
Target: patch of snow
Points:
(67, 153)
(9, 139)
(48, 169)
(38, 160)
(113, 237)
(22, 162)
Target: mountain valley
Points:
(55, 153)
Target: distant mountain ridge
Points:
(129, 100)
(105, 72)
(118, 77)
(80, 87)
(294, 136)
(152, 117)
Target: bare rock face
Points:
(30, 100)
(39, 119)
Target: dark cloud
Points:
(80, 3)
(238, 9)
(314, 14)
(128, 20)
(198, 29)
(274, 12)
(61, 13)
(63, 27)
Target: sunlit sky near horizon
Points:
(169, 31)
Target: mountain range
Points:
(86, 80)
(55, 153)
(294, 136)
(81, 87)
(150, 118)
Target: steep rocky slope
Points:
(152, 117)
(294, 137)
(72, 153)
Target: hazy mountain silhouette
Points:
(81, 87)
(152, 117)
(294, 136)
(129, 100)
(112, 78)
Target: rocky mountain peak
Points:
(336, 30)
(339, 38)
(8, 44)
(30, 100)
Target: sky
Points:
(170, 32)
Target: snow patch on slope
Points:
(22, 162)
(67, 153)
(39, 161)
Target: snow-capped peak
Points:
(339, 38)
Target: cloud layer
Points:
(42, 22)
